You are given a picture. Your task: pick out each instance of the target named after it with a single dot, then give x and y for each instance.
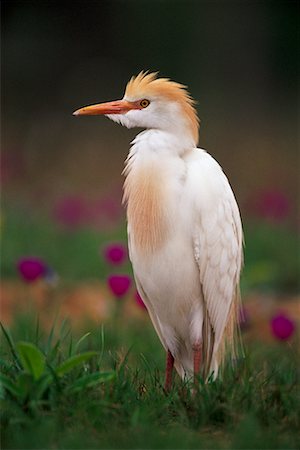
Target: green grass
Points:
(105, 389)
(271, 256)
(64, 250)
(114, 398)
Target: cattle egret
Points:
(184, 227)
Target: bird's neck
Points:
(155, 142)
(157, 153)
(152, 162)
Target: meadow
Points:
(100, 384)
(105, 390)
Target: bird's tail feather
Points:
(208, 344)
(230, 344)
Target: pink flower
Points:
(72, 212)
(115, 253)
(31, 268)
(282, 327)
(119, 284)
(139, 300)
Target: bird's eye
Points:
(144, 103)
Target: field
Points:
(105, 390)
(97, 382)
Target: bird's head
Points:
(153, 103)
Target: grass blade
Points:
(92, 380)
(8, 384)
(73, 362)
(42, 385)
(50, 338)
(70, 351)
(102, 345)
(11, 345)
(80, 341)
(37, 330)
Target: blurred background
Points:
(61, 176)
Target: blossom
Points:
(31, 268)
(139, 300)
(115, 253)
(72, 212)
(119, 284)
(282, 327)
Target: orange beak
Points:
(116, 107)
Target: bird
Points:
(184, 227)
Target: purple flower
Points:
(115, 253)
(139, 300)
(282, 327)
(31, 268)
(72, 212)
(119, 284)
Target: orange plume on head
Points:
(148, 84)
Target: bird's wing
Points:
(218, 243)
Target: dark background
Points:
(238, 59)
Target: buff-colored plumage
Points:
(145, 84)
(184, 226)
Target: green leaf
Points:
(42, 385)
(25, 383)
(73, 362)
(32, 359)
(91, 380)
(9, 385)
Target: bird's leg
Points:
(197, 349)
(169, 370)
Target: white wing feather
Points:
(218, 243)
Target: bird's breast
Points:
(147, 211)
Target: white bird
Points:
(184, 227)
